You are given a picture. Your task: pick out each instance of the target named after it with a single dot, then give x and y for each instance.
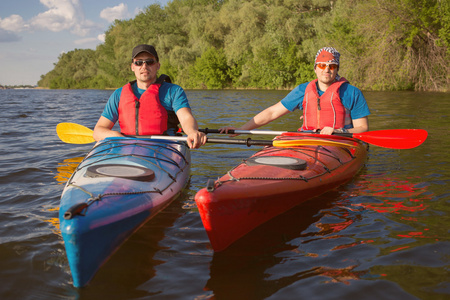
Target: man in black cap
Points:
(148, 105)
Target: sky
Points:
(34, 33)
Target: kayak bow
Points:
(117, 188)
(273, 181)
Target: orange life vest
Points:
(326, 110)
(144, 116)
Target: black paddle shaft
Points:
(249, 142)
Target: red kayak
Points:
(273, 181)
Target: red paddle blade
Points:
(394, 138)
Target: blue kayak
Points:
(117, 188)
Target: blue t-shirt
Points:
(171, 96)
(351, 97)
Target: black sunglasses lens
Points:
(149, 62)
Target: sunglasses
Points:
(149, 62)
(331, 66)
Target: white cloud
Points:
(118, 12)
(84, 28)
(60, 15)
(138, 10)
(13, 23)
(92, 40)
(101, 37)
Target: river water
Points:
(385, 235)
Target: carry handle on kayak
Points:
(75, 210)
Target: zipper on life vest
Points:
(318, 113)
(334, 110)
(137, 106)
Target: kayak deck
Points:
(273, 181)
(117, 188)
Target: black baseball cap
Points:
(144, 48)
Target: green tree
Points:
(391, 44)
(211, 70)
(385, 44)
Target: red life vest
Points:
(144, 116)
(326, 110)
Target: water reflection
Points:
(343, 275)
(325, 240)
(66, 169)
(396, 195)
(53, 221)
(273, 244)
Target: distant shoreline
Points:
(19, 87)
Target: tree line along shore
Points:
(385, 45)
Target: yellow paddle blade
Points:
(306, 142)
(74, 133)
